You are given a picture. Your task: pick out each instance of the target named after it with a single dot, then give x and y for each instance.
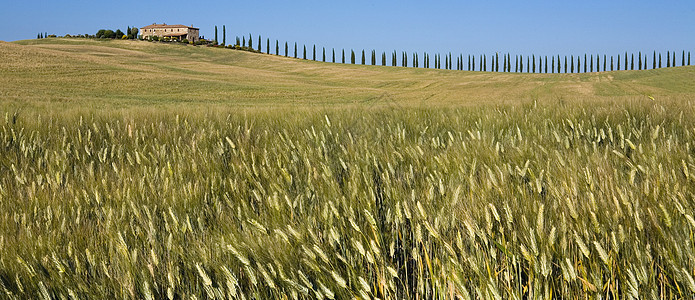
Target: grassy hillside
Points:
(122, 73)
(132, 170)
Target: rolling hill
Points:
(114, 73)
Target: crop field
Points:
(579, 189)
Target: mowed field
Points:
(138, 170)
(122, 73)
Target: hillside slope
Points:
(124, 73)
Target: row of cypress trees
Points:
(518, 63)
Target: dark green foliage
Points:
(688, 58)
(343, 60)
(497, 62)
(238, 42)
(659, 60)
(571, 63)
(611, 62)
(277, 47)
(528, 64)
(591, 63)
(683, 59)
(673, 63)
(352, 56)
(313, 53)
(604, 63)
(546, 64)
(552, 65)
(639, 63)
(383, 58)
(668, 59)
(618, 66)
(373, 57)
(585, 60)
(324, 55)
(250, 42)
(404, 61)
(224, 35)
(533, 63)
(333, 49)
(469, 62)
(101, 34)
(521, 63)
(287, 50)
(558, 64)
(259, 43)
(119, 34)
(363, 59)
(303, 52)
(579, 64)
(243, 41)
(267, 46)
(632, 61)
(654, 61)
(625, 60)
(215, 35)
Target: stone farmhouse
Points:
(179, 32)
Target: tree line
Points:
(504, 62)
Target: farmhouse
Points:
(179, 32)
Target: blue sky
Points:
(468, 27)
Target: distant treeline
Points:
(499, 62)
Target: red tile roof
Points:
(167, 26)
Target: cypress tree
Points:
(688, 58)
(267, 46)
(313, 53)
(683, 59)
(473, 63)
(533, 65)
(618, 64)
(625, 60)
(250, 42)
(585, 61)
(528, 64)
(579, 64)
(333, 50)
(259, 43)
(552, 66)
(484, 63)
(611, 62)
(287, 50)
(497, 62)
(639, 62)
(343, 56)
(521, 63)
(668, 59)
(277, 47)
(373, 58)
(224, 35)
(591, 63)
(404, 61)
(393, 58)
(632, 61)
(238, 41)
(352, 56)
(571, 63)
(323, 59)
(546, 64)
(383, 58)
(659, 60)
(654, 61)
(450, 62)
(673, 64)
(243, 41)
(215, 34)
(565, 64)
(469, 62)
(558, 64)
(604, 63)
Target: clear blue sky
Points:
(468, 27)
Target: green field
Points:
(151, 171)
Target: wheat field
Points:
(536, 199)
